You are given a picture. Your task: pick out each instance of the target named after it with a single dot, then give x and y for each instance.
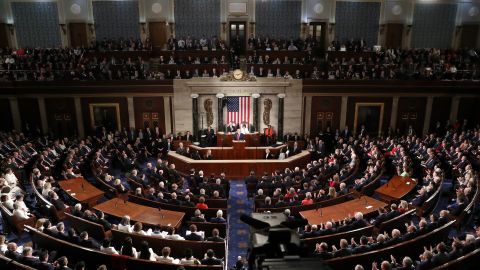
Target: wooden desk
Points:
(237, 151)
(237, 169)
(396, 188)
(225, 139)
(144, 214)
(81, 190)
(366, 205)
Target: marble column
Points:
(195, 114)
(131, 112)
(281, 101)
(343, 113)
(393, 116)
(168, 116)
(43, 114)
(307, 114)
(428, 115)
(79, 116)
(220, 124)
(17, 120)
(256, 111)
(454, 109)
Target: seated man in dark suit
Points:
(198, 216)
(216, 236)
(358, 222)
(87, 242)
(180, 149)
(457, 207)
(251, 179)
(295, 149)
(12, 253)
(231, 128)
(219, 218)
(28, 258)
(267, 154)
(210, 259)
(441, 257)
(344, 249)
(188, 137)
(421, 197)
(239, 136)
(56, 201)
(321, 251)
(193, 236)
(43, 263)
(425, 261)
(363, 247)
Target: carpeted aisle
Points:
(238, 232)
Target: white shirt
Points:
(109, 250)
(174, 237)
(244, 130)
(125, 228)
(167, 259)
(11, 179)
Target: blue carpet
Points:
(238, 232)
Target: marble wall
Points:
(266, 87)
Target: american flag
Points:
(238, 110)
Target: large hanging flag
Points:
(238, 110)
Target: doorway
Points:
(157, 33)
(369, 115)
(237, 37)
(78, 34)
(317, 30)
(105, 115)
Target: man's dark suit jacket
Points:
(211, 261)
(216, 239)
(194, 237)
(217, 220)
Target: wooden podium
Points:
(226, 139)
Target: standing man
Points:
(210, 135)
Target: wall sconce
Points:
(11, 28)
(305, 28)
(91, 28)
(458, 29)
(224, 26)
(382, 28)
(331, 26)
(409, 28)
(64, 28)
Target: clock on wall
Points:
(238, 74)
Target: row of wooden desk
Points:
(238, 168)
(395, 189)
(83, 192)
(364, 204)
(147, 215)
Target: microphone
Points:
(116, 203)
(365, 198)
(83, 188)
